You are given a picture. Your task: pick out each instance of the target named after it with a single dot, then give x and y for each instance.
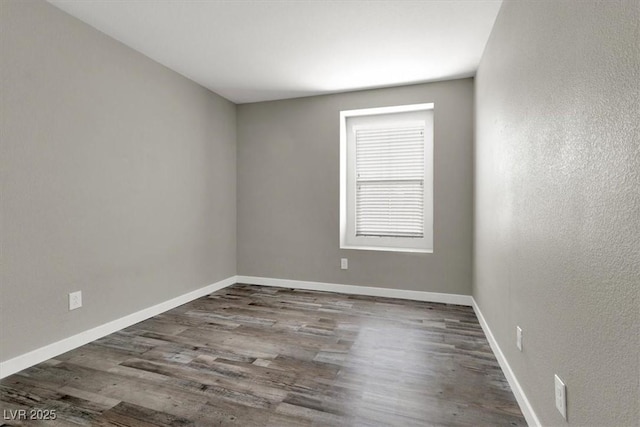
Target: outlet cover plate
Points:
(561, 396)
(344, 263)
(519, 337)
(75, 300)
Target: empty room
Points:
(319, 213)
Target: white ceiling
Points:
(250, 51)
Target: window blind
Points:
(390, 181)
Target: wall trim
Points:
(518, 392)
(52, 350)
(49, 351)
(359, 290)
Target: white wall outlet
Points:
(561, 396)
(519, 337)
(344, 264)
(75, 300)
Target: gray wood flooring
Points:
(261, 356)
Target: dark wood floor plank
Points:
(261, 356)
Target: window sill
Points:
(388, 249)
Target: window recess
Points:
(387, 178)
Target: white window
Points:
(386, 178)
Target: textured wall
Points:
(557, 202)
(117, 178)
(288, 192)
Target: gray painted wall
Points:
(557, 204)
(117, 179)
(288, 192)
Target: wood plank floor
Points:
(261, 356)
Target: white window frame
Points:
(348, 238)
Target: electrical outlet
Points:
(344, 264)
(561, 396)
(519, 337)
(75, 300)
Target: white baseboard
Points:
(41, 354)
(359, 290)
(525, 405)
(52, 350)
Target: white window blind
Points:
(390, 173)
